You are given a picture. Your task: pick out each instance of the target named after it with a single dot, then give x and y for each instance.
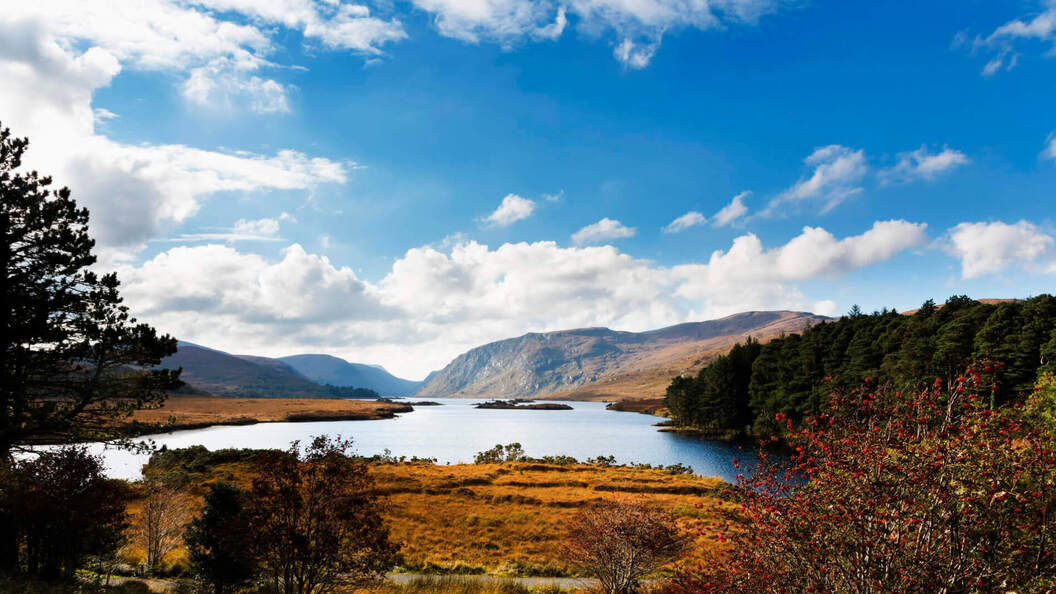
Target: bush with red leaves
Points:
(890, 492)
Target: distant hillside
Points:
(222, 374)
(325, 369)
(598, 363)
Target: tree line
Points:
(740, 393)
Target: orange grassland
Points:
(186, 411)
(508, 518)
(512, 518)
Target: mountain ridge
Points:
(211, 371)
(562, 363)
(327, 369)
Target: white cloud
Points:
(923, 165)
(603, 230)
(732, 211)
(1050, 148)
(636, 54)
(726, 215)
(1002, 43)
(58, 58)
(221, 85)
(690, 219)
(438, 302)
(512, 209)
(268, 227)
(638, 25)
(749, 276)
(836, 172)
(243, 230)
(987, 248)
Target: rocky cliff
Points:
(574, 363)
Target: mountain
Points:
(599, 363)
(222, 374)
(325, 369)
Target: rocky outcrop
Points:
(541, 364)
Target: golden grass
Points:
(210, 410)
(510, 518)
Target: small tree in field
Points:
(511, 452)
(220, 542)
(161, 522)
(621, 543)
(885, 492)
(315, 519)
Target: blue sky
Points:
(296, 175)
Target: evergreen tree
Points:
(794, 375)
(72, 359)
(220, 542)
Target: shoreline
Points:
(188, 413)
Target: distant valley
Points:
(210, 371)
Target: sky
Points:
(395, 182)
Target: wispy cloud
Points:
(242, 230)
(836, 172)
(732, 211)
(923, 165)
(690, 219)
(1003, 44)
(637, 27)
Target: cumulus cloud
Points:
(987, 248)
(836, 172)
(732, 211)
(638, 25)
(512, 209)
(766, 276)
(438, 301)
(604, 230)
(690, 219)
(59, 55)
(923, 165)
(1003, 44)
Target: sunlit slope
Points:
(598, 363)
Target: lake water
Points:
(455, 432)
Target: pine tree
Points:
(72, 359)
(219, 541)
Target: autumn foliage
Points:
(315, 518)
(888, 492)
(620, 543)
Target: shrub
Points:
(62, 510)
(512, 452)
(315, 518)
(934, 492)
(621, 543)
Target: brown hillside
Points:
(601, 364)
(647, 377)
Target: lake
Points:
(455, 432)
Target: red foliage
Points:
(883, 492)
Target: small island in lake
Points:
(520, 404)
